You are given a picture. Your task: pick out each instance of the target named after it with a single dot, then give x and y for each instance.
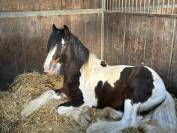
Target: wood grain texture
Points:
(39, 5)
(172, 81)
(23, 41)
(133, 40)
(114, 38)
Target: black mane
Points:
(76, 55)
(81, 53)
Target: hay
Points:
(27, 87)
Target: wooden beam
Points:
(48, 13)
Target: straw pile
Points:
(27, 87)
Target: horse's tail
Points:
(165, 114)
(35, 104)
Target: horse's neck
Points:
(92, 63)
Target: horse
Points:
(134, 93)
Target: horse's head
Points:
(56, 48)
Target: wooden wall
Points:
(128, 39)
(135, 39)
(44, 5)
(23, 40)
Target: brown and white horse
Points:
(88, 81)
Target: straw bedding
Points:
(27, 87)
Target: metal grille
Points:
(142, 6)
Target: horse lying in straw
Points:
(135, 93)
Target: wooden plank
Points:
(173, 69)
(23, 41)
(127, 41)
(162, 46)
(114, 38)
(149, 34)
(136, 39)
(48, 13)
(47, 5)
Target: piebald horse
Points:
(135, 93)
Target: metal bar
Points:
(173, 4)
(144, 6)
(111, 4)
(153, 6)
(122, 5)
(132, 5)
(140, 5)
(109, 8)
(106, 5)
(48, 13)
(126, 5)
(116, 4)
(162, 6)
(119, 5)
(136, 5)
(157, 6)
(149, 6)
(167, 6)
(102, 29)
(129, 5)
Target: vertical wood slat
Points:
(142, 39)
(114, 38)
(25, 40)
(102, 29)
(172, 78)
(41, 5)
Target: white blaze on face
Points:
(52, 68)
(48, 68)
(63, 41)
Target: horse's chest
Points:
(87, 87)
(89, 82)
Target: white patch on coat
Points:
(71, 111)
(158, 94)
(64, 110)
(165, 114)
(91, 73)
(35, 104)
(129, 119)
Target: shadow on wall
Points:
(7, 76)
(8, 73)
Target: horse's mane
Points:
(80, 51)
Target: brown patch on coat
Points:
(135, 83)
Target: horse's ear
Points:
(66, 31)
(54, 27)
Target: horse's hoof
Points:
(63, 110)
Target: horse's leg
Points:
(114, 126)
(35, 104)
(135, 119)
(74, 109)
(110, 113)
